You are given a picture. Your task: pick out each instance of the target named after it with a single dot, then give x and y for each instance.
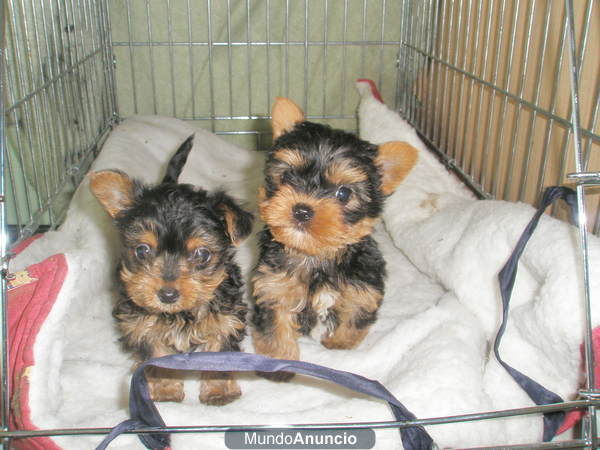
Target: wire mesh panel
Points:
(58, 103)
(489, 88)
(223, 62)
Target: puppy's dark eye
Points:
(143, 251)
(201, 255)
(343, 194)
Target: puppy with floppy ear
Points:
(180, 289)
(324, 192)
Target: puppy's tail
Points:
(178, 161)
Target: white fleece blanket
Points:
(430, 346)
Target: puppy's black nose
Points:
(168, 295)
(303, 213)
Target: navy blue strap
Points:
(123, 427)
(144, 413)
(539, 394)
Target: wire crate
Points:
(490, 85)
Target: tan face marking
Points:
(194, 243)
(284, 159)
(148, 237)
(291, 157)
(195, 289)
(341, 173)
(324, 235)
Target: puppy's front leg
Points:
(165, 385)
(225, 332)
(278, 298)
(218, 388)
(275, 334)
(354, 312)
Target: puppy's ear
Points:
(285, 114)
(395, 160)
(238, 222)
(113, 189)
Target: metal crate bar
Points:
(590, 423)
(566, 406)
(303, 50)
(534, 107)
(57, 104)
(4, 387)
(60, 104)
(575, 62)
(484, 74)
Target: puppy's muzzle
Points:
(302, 212)
(168, 295)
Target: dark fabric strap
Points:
(123, 427)
(145, 414)
(539, 394)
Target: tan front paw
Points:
(219, 390)
(344, 338)
(166, 390)
(165, 385)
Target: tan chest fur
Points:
(289, 291)
(178, 334)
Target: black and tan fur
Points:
(180, 288)
(323, 194)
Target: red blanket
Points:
(31, 295)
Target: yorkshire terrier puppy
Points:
(323, 193)
(180, 289)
